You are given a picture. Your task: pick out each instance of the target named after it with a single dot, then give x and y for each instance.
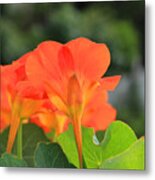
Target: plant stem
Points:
(19, 141)
(78, 138)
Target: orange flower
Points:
(8, 82)
(71, 75)
(19, 98)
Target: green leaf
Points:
(92, 152)
(8, 160)
(132, 158)
(32, 134)
(118, 137)
(51, 156)
(67, 143)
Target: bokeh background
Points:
(118, 24)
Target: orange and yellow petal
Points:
(48, 121)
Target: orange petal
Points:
(56, 98)
(29, 107)
(2, 125)
(7, 75)
(66, 62)
(99, 118)
(35, 71)
(19, 66)
(42, 67)
(26, 89)
(98, 113)
(47, 52)
(5, 117)
(8, 80)
(61, 123)
(91, 59)
(44, 119)
(97, 97)
(110, 83)
(58, 103)
(48, 121)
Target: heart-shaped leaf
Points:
(132, 158)
(67, 142)
(51, 156)
(118, 138)
(8, 160)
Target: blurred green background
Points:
(118, 24)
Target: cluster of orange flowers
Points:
(57, 84)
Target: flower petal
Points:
(26, 89)
(35, 71)
(98, 113)
(19, 67)
(47, 53)
(91, 59)
(5, 117)
(66, 62)
(100, 118)
(42, 67)
(110, 83)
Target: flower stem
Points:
(78, 138)
(19, 141)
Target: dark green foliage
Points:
(8, 160)
(32, 135)
(51, 156)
